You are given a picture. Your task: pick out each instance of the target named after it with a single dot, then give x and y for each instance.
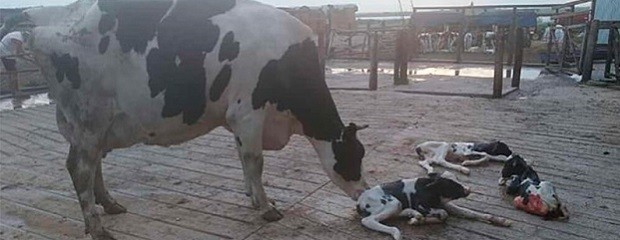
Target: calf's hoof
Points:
(272, 215)
(102, 235)
(498, 221)
(396, 234)
(114, 208)
(465, 171)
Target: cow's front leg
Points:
(82, 166)
(249, 133)
(103, 197)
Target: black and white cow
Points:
(162, 72)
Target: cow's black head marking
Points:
(186, 34)
(67, 67)
(349, 152)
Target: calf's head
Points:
(516, 165)
(346, 171)
(438, 189)
(500, 148)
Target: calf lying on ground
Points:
(419, 199)
(442, 153)
(532, 195)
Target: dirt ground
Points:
(195, 190)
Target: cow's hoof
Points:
(465, 171)
(102, 235)
(114, 208)
(272, 215)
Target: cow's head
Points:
(348, 152)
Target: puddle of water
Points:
(25, 102)
(481, 72)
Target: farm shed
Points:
(606, 10)
(504, 18)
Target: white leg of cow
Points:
(476, 162)
(244, 167)
(82, 166)
(373, 221)
(455, 210)
(454, 167)
(249, 130)
(103, 197)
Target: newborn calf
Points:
(467, 153)
(419, 199)
(532, 195)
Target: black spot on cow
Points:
(103, 44)
(238, 141)
(137, 21)
(396, 189)
(229, 49)
(180, 40)
(152, 134)
(220, 83)
(106, 23)
(238, 101)
(67, 67)
(296, 82)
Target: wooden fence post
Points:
(518, 64)
(589, 51)
(513, 29)
(374, 63)
(404, 60)
(498, 78)
(397, 56)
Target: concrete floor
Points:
(195, 190)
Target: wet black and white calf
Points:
(468, 153)
(424, 200)
(531, 194)
(163, 72)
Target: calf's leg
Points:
(82, 166)
(373, 221)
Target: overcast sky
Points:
(364, 5)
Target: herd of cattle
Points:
(167, 71)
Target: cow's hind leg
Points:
(249, 131)
(103, 197)
(82, 166)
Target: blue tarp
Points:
(504, 18)
(434, 19)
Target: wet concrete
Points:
(28, 101)
(481, 71)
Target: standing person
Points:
(11, 44)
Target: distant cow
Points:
(163, 72)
